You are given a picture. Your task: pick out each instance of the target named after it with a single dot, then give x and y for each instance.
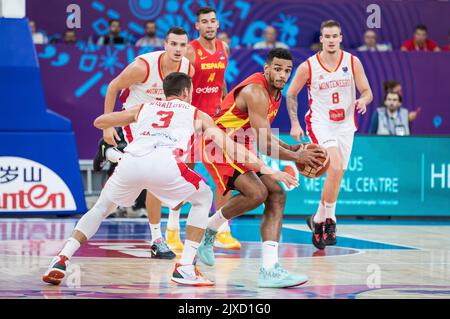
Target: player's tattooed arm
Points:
(256, 99)
(110, 120)
(363, 86)
(298, 82)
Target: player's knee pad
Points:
(90, 222)
(201, 202)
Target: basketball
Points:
(312, 172)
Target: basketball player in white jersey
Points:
(154, 161)
(141, 82)
(331, 76)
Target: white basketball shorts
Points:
(328, 137)
(158, 172)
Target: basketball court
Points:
(372, 259)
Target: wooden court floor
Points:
(371, 260)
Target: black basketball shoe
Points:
(100, 158)
(329, 236)
(317, 230)
(160, 250)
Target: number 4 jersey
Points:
(331, 94)
(163, 124)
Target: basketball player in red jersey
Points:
(332, 77)
(246, 115)
(142, 82)
(209, 56)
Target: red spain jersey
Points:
(236, 124)
(209, 77)
(231, 118)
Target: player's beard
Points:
(272, 83)
(209, 38)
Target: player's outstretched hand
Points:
(289, 180)
(360, 106)
(110, 136)
(296, 132)
(286, 178)
(309, 157)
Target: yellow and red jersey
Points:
(234, 121)
(209, 77)
(236, 124)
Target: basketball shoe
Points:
(278, 277)
(56, 271)
(160, 250)
(227, 241)
(205, 251)
(173, 239)
(317, 229)
(100, 157)
(189, 275)
(329, 235)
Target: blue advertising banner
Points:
(386, 176)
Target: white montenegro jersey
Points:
(331, 94)
(152, 87)
(163, 124)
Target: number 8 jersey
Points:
(331, 94)
(163, 124)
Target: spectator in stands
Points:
(38, 37)
(113, 36)
(446, 48)
(420, 41)
(391, 118)
(270, 40)
(395, 87)
(150, 39)
(370, 43)
(70, 37)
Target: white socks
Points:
(269, 254)
(320, 215)
(224, 228)
(217, 220)
(173, 223)
(189, 252)
(325, 210)
(330, 209)
(155, 230)
(70, 248)
(112, 154)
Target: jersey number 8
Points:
(335, 98)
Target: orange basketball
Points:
(290, 170)
(310, 172)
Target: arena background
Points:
(387, 176)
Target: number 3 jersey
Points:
(331, 94)
(163, 124)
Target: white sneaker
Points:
(56, 271)
(189, 275)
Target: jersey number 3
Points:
(164, 119)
